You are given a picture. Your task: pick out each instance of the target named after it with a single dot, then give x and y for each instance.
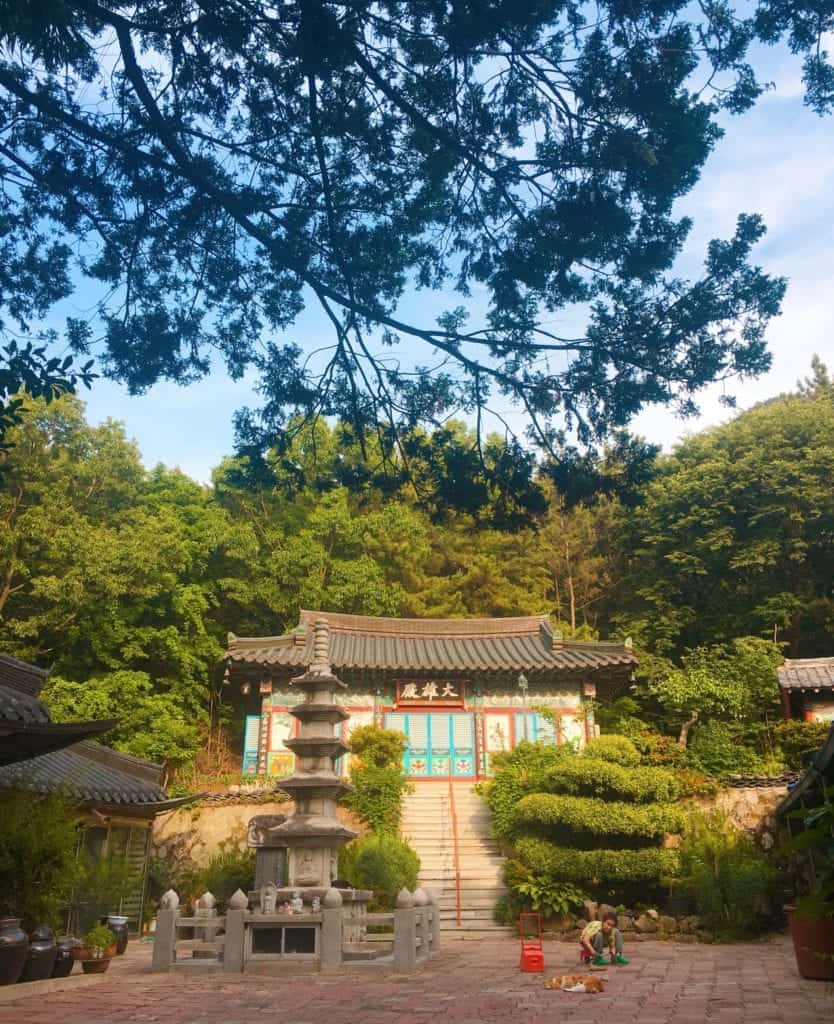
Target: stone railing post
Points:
(434, 906)
(330, 946)
(165, 937)
(423, 907)
(405, 932)
(236, 911)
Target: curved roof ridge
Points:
(462, 627)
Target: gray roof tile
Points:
(358, 642)
(807, 674)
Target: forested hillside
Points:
(126, 579)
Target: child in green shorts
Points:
(599, 934)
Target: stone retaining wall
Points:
(751, 808)
(221, 820)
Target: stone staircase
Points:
(476, 873)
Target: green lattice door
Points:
(439, 744)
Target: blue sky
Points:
(776, 160)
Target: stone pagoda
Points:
(313, 835)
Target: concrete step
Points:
(473, 902)
(482, 861)
(433, 876)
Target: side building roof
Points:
(43, 756)
(363, 643)
(807, 674)
(93, 775)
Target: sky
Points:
(776, 160)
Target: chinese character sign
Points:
(430, 692)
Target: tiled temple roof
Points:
(21, 676)
(92, 775)
(360, 642)
(807, 674)
(46, 757)
(21, 708)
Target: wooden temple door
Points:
(440, 744)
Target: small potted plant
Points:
(97, 949)
(812, 916)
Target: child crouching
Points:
(599, 934)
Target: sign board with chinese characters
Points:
(442, 693)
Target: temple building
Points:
(461, 690)
(806, 686)
(116, 796)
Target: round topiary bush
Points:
(616, 749)
(591, 776)
(382, 863)
(591, 816)
(595, 866)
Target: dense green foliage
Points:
(798, 741)
(814, 840)
(527, 155)
(228, 870)
(542, 893)
(598, 818)
(383, 863)
(126, 580)
(587, 776)
(592, 867)
(727, 877)
(377, 778)
(583, 819)
(38, 864)
(616, 749)
(520, 771)
(733, 536)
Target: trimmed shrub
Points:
(616, 749)
(526, 769)
(382, 863)
(596, 866)
(588, 776)
(374, 745)
(599, 817)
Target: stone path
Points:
(470, 983)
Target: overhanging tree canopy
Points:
(217, 166)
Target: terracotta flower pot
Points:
(98, 966)
(813, 944)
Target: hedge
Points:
(589, 776)
(616, 749)
(520, 771)
(599, 817)
(588, 866)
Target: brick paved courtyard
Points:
(472, 982)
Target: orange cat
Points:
(576, 982)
